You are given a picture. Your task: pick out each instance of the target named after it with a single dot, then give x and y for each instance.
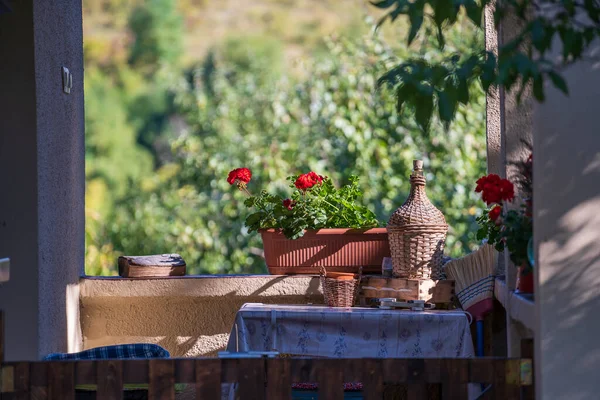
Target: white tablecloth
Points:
(351, 332)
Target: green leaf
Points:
(462, 91)
(474, 12)
(400, 99)
(568, 38)
(446, 106)
(538, 36)
(558, 82)
(440, 37)
(488, 74)
(416, 20)
(423, 110)
(538, 91)
(383, 3)
(481, 234)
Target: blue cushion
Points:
(121, 351)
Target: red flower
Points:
(491, 179)
(495, 213)
(289, 204)
(306, 181)
(493, 189)
(507, 190)
(239, 174)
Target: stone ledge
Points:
(202, 286)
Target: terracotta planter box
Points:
(338, 250)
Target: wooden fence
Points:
(265, 378)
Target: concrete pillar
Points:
(509, 129)
(567, 236)
(42, 177)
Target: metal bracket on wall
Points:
(67, 79)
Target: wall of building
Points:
(61, 170)
(567, 236)
(190, 317)
(42, 180)
(18, 180)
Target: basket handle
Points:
(359, 275)
(322, 271)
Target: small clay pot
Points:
(340, 275)
(524, 279)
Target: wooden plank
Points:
(416, 391)
(279, 379)
(185, 370)
(229, 368)
(372, 379)
(481, 370)
(7, 378)
(38, 377)
(527, 351)
(455, 378)
(161, 377)
(85, 372)
(22, 381)
(503, 390)
(330, 379)
(208, 379)
(61, 380)
(416, 371)
(303, 370)
(136, 372)
(251, 378)
(394, 370)
(110, 380)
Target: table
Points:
(357, 332)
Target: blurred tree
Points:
(160, 139)
(334, 121)
(157, 28)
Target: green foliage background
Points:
(167, 118)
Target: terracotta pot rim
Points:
(332, 231)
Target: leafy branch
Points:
(523, 61)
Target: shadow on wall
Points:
(186, 326)
(567, 207)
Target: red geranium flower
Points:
(490, 179)
(306, 181)
(494, 189)
(507, 190)
(495, 213)
(289, 204)
(239, 174)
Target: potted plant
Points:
(317, 225)
(510, 228)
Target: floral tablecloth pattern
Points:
(356, 332)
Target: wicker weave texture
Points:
(417, 233)
(417, 254)
(417, 209)
(339, 293)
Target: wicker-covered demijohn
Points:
(417, 233)
(338, 292)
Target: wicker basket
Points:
(417, 233)
(340, 293)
